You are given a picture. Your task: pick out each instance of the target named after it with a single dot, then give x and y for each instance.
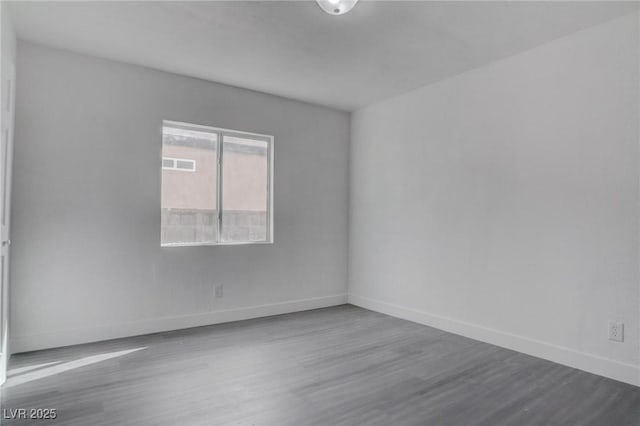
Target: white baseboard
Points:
(76, 336)
(612, 369)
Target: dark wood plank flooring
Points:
(336, 366)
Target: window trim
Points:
(220, 134)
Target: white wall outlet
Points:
(616, 331)
(218, 291)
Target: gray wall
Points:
(87, 262)
(503, 203)
(8, 43)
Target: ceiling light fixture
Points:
(336, 7)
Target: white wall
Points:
(503, 203)
(87, 262)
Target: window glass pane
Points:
(245, 181)
(167, 162)
(189, 200)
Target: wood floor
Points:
(336, 366)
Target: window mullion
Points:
(219, 189)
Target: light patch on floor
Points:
(21, 370)
(37, 372)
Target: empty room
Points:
(320, 213)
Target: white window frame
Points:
(175, 164)
(221, 133)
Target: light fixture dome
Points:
(337, 7)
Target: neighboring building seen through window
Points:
(225, 196)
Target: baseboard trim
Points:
(76, 336)
(612, 369)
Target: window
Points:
(227, 198)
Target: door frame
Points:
(7, 127)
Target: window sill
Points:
(248, 243)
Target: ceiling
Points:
(293, 49)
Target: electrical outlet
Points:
(218, 291)
(616, 331)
